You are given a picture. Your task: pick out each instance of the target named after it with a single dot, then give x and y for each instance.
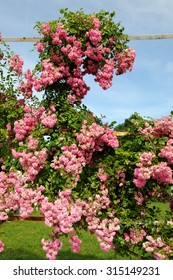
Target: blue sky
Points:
(148, 89)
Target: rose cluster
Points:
(30, 119)
(157, 247)
(70, 58)
(15, 194)
(33, 116)
(16, 63)
(160, 128)
(160, 172)
(63, 213)
(125, 60)
(167, 152)
(31, 162)
(74, 157)
(135, 236)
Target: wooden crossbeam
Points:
(21, 39)
(30, 218)
(151, 37)
(121, 133)
(131, 38)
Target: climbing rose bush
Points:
(56, 156)
(69, 52)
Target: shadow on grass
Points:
(69, 255)
(21, 254)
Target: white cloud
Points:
(137, 16)
(145, 17)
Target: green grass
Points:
(164, 207)
(23, 242)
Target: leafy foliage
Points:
(56, 155)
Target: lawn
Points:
(22, 242)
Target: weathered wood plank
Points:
(151, 37)
(31, 218)
(21, 39)
(131, 38)
(121, 133)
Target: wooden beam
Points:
(21, 39)
(131, 38)
(151, 37)
(30, 218)
(121, 133)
